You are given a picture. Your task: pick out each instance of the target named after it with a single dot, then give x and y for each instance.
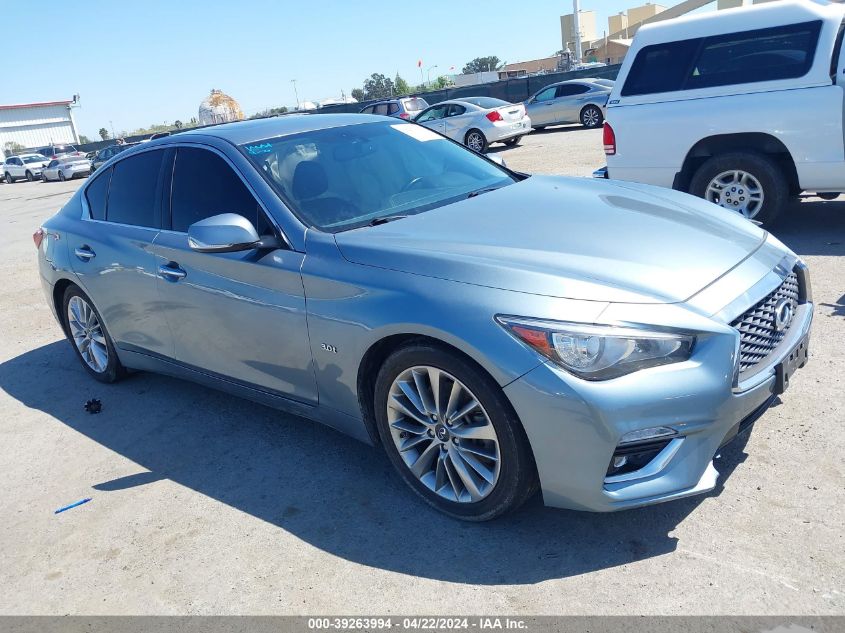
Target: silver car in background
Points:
(67, 167)
(492, 331)
(401, 107)
(573, 101)
(477, 121)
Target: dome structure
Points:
(218, 107)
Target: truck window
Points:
(783, 52)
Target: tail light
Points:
(609, 139)
(38, 237)
(494, 116)
(404, 115)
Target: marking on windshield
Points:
(418, 132)
(263, 148)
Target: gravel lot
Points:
(203, 503)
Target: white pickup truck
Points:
(743, 107)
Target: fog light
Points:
(619, 462)
(644, 435)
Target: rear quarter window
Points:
(96, 194)
(784, 52)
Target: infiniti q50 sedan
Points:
(494, 332)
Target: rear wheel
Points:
(476, 141)
(751, 184)
(451, 434)
(90, 339)
(591, 117)
(513, 142)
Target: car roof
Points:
(256, 129)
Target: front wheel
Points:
(451, 434)
(29, 176)
(62, 176)
(591, 117)
(476, 141)
(751, 184)
(9, 179)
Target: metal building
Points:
(33, 125)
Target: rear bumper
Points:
(503, 131)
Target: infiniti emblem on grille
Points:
(783, 314)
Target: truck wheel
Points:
(748, 183)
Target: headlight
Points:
(599, 352)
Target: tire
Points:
(43, 177)
(515, 472)
(62, 176)
(110, 370)
(9, 179)
(476, 141)
(513, 142)
(591, 117)
(770, 180)
(29, 176)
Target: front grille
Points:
(758, 336)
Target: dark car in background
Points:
(107, 152)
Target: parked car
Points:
(609, 83)
(57, 151)
(107, 152)
(716, 105)
(401, 108)
(66, 168)
(26, 166)
(477, 121)
(570, 101)
(489, 329)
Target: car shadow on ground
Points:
(329, 490)
(811, 226)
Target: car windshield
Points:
(488, 103)
(33, 159)
(415, 104)
(342, 178)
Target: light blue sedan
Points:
(494, 332)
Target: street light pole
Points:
(428, 74)
(293, 81)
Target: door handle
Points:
(84, 252)
(171, 272)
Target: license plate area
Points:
(798, 357)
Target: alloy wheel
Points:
(590, 118)
(736, 190)
(475, 141)
(87, 333)
(443, 434)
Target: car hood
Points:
(573, 238)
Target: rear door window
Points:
(381, 108)
(393, 108)
(97, 193)
(134, 185)
(568, 90)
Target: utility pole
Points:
(293, 81)
(576, 25)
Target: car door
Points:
(51, 171)
(110, 251)
(240, 316)
(540, 107)
(456, 123)
(16, 167)
(569, 100)
(433, 118)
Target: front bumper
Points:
(574, 426)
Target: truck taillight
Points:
(609, 139)
(494, 116)
(38, 237)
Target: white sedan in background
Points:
(477, 121)
(66, 168)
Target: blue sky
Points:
(151, 61)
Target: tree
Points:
(104, 133)
(84, 139)
(269, 112)
(177, 124)
(377, 86)
(482, 64)
(401, 86)
(357, 94)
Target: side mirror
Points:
(225, 233)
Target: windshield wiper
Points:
(384, 219)
(478, 192)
